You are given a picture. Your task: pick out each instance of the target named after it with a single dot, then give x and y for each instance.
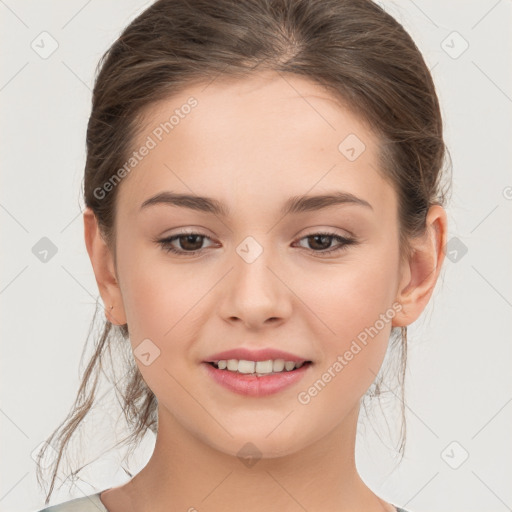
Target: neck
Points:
(184, 473)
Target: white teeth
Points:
(264, 366)
(278, 365)
(257, 367)
(246, 366)
(289, 365)
(232, 365)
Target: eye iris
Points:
(316, 237)
(188, 238)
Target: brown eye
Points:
(188, 243)
(320, 243)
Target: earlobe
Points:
(420, 275)
(104, 269)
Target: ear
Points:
(104, 269)
(420, 273)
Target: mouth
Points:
(256, 378)
(258, 368)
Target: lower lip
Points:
(251, 385)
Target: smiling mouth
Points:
(258, 368)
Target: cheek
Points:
(157, 296)
(163, 304)
(352, 306)
(350, 296)
(158, 306)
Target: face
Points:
(252, 275)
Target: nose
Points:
(254, 294)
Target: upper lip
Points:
(263, 354)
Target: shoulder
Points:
(90, 503)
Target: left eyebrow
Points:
(296, 204)
(199, 203)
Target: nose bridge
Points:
(254, 293)
(254, 256)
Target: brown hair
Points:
(360, 53)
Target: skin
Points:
(252, 144)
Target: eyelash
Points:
(345, 241)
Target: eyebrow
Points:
(295, 204)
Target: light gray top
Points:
(90, 503)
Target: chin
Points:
(254, 444)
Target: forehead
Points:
(266, 136)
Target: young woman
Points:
(264, 218)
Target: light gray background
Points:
(459, 379)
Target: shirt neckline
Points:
(98, 501)
(97, 498)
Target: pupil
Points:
(190, 239)
(320, 237)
